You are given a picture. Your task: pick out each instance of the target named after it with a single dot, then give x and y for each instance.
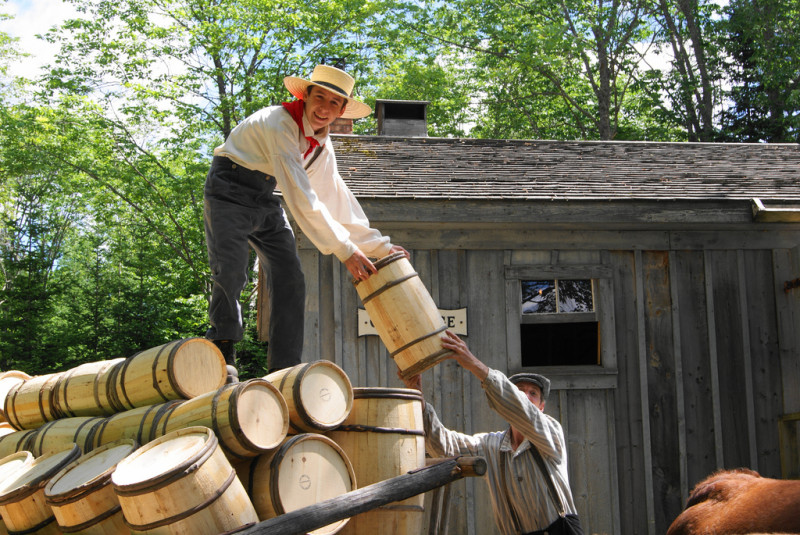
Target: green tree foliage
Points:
(764, 70)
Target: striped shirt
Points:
(525, 487)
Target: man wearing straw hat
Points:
(287, 147)
(527, 463)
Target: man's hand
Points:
(463, 355)
(359, 266)
(414, 382)
(399, 249)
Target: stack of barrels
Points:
(158, 443)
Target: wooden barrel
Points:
(182, 483)
(182, 369)
(60, 434)
(305, 470)
(404, 314)
(319, 395)
(13, 442)
(6, 429)
(87, 390)
(384, 438)
(249, 418)
(9, 465)
(81, 495)
(22, 502)
(7, 380)
(137, 424)
(30, 404)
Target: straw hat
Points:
(332, 79)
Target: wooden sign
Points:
(455, 320)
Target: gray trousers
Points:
(241, 211)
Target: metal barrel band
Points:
(388, 286)
(418, 340)
(377, 429)
(34, 529)
(89, 523)
(189, 512)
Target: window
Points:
(558, 325)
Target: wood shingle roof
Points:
(457, 168)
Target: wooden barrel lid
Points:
(262, 414)
(197, 367)
(32, 478)
(164, 458)
(326, 394)
(87, 472)
(308, 469)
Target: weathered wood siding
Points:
(700, 349)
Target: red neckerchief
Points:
(295, 109)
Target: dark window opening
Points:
(559, 344)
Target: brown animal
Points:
(740, 501)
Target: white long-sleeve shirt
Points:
(318, 198)
(525, 489)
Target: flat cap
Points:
(539, 380)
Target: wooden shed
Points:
(656, 284)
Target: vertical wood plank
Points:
(765, 374)
(787, 268)
(680, 405)
(713, 360)
(642, 359)
(747, 362)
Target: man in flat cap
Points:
(527, 463)
(287, 147)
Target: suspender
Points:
(314, 157)
(547, 476)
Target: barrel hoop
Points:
(144, 487)
(189, 512)
(378, 429)
(84, 447)
(164, 411)
(274, 491)
(293, 427)
(111, 386)
(63, 380)
(388, 286)
(13, 399)
(299, 406)
(82, 492)
(389, 395)
(383, 262)
(154, 370)
(41, 402)
(89, 523)
(96, 387)
(36, 440)
(418, 340)
(123, 370)
(234, 422)
(173, 382)
(35, 528)
(424, 364)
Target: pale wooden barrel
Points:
(22, 502)
(87, 390)
(9, 465)
(13, 442)
(249, 418)
(182, 483)
(181, 369)
(404, 314)
(61, 434)
(384, 438)
(305, 470)
(81, 495)
(138, 424)
(9, 379)
(6, 429)
(319, 395)
(30, 404)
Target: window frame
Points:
(600, 376)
